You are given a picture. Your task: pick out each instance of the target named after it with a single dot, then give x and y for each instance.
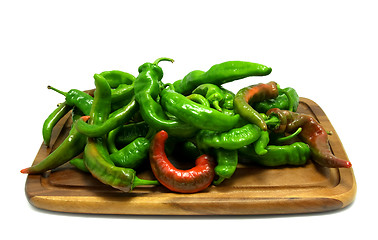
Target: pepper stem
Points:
(163, 59)
(283, 139)
(218, 181)
(138, 182)
(57, 90)
(216, 106)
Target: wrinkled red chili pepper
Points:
(312, 133)
(192, 180)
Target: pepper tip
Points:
(25, 170)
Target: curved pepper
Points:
(52, 120)
(122, 85)
(192, 180)
(219, 74)
(195, 114)
(72, 146)
(147, 88)
(312, 133)
(231, 140)
(254, 93)
(198, 99)
(133, 154)
(295, 154)
(227, 162)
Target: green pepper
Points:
(125, 134)
(261, 143)
(245, 97)
(220, 74)
(79, 164)
(295, 154)
(72, 146)
(228, 102)
(77, 98)
(231, 140)
(147, 88)
(287, 99)
(132, 155)
(212, 93)
(96, 155)
(122, 84)
(52, 120)
(227, 161)
(195, 114)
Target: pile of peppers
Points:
(126, 122)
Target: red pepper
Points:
(312, 133)
(192, 180)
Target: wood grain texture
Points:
(252, 190)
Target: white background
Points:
(326, 50)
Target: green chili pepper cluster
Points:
(125, 122)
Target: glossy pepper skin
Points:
(198, 99)
(245, 97)
(312, 133)
(295, 154)
(96, 156)
(287, 99)
(227, 161)
(133, 154)
(212, 93)
(147, 88)
(72, 146)
(77, 98)
(52, 120)
(195, 114)
(192, 180)
(231, 140)
(219, 74)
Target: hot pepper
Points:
(74, 97)
(245, 97)
(133, 154)
(147, 88)
(52, 120)
(195, 114)
(220, 74)
(198, 99)
(192, 180)
(294, 154)
(227, 161)
(231, 140)
(96, 155)
(312, 133)
(72, 146)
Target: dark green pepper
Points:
(147, 88)
(287, 99)
(132, 155)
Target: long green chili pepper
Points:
(79, 164)
(192, 113)
(96, 155)
(231, 140)
(254, 93)
(227, 161)
(77, 98)
(147, 88)
(295, 154)
(212, 93)
(72, 146)
(228, 102)
(52, 120)
(220, 74)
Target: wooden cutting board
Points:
(252, 189)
